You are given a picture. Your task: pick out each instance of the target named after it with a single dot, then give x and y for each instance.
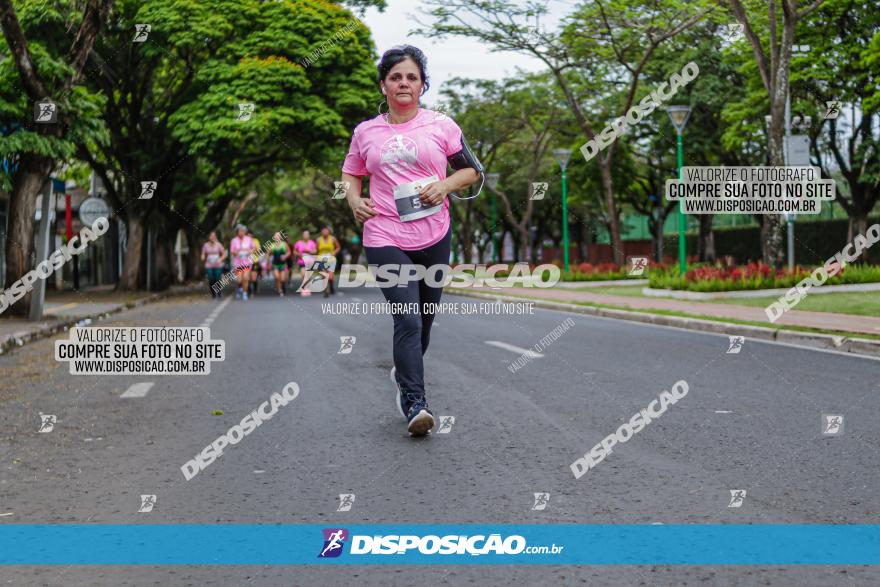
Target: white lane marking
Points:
(515, 349)
(138, 389)
(723, 412)
(213, 315)
(9, 514)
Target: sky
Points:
(452, 56)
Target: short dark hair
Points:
(395, 55)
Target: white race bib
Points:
(406, 199)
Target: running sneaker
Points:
(238, 294)
(398, 400)
(421, 420)
(244, 296)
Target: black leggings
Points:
(412, 331)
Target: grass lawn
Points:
(866, 303)
(615, 290)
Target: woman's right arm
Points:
(362, 208)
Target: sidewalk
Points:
(817, 320)
(64, 309)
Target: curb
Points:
(22, 337)
(857, 346)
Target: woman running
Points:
(256, 268)
(280, 253)
(406, 218)
(290, 257)
(213, 255)
(305, 250)
(328, 247)
(242, 249)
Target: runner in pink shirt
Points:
(242, 249)
(406, 218)
(213, 255)
(303, 250)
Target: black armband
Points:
(465, 158)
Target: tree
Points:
(49, 65)
(774, 72)
(602, 51)
(840, 35)
(303, 71)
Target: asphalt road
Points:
(750, 421)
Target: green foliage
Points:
(701, 278)
(47, 27)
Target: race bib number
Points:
(406, 199)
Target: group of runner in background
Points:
(248, 264)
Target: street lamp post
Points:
(562, 157)
(492, 182)
(679, 116)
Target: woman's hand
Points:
(433, 193)
(363, 209)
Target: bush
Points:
(711, 278)
(605, 272)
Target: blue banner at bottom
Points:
(444, 544)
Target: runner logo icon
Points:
(47, 423)
(147, 503)
(638, 265)
(446, 423)
(737, 496)
(334, 540)
(539, 190)
(346, 344)
(317, 273)
(346, 500)
(832, 424)
(736, 344)
(541, 501)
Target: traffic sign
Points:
(797, 150)
(93, 208)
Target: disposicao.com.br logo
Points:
(479, 544)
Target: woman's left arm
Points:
(433, 194)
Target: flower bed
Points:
(708, 278)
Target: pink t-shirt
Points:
(308, 246)
(398, 154)
(213, 252)
(241, 250)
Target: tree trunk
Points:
(134, 251)
(164, 261)
(32, 174)
(194, 267)
(772, 240)
(522, 244)
(858, 224)
(772, 228)
(480, 248)
(467, 235)
(614, 221)
(706, 240)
